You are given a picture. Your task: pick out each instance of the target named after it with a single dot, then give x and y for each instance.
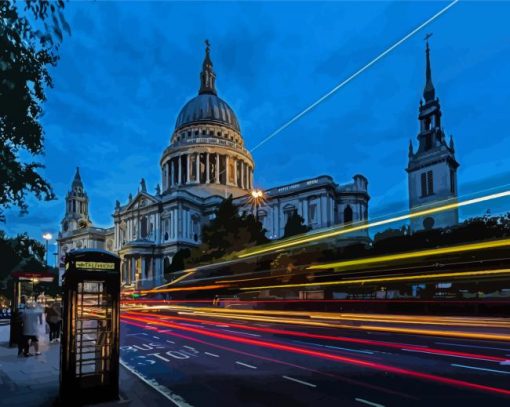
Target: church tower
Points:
(77, 206)
(432, 168)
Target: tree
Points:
(26, 53)
(295, 225)
(228, 232)
(19, 253)
(178, 261)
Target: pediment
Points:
(141, 200)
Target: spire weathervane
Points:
(429, 93)
(207, 76)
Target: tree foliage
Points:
(228, 232)
(29, 42)
(295, 225)
(20, 253)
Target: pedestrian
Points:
(54, 320)
(32, 318)
(17, 324)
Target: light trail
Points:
(333, 357)
(415, 277)
(413, 255)
(343, 339)
(344, 230)
(273, 317)
(355, 74)
(274, 360)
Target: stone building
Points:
(206, 161)
(432, 168)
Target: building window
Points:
(427, 183)
(348, 214)
(428, 142)
(312, 213)
(430, 183)
(452, 181)
(143, 227)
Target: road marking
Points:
(369, 403)
(169, 341)
(299, 381)
(335, 347)
(155, 337)
(163, 390)
(246, 365)
(470, 346)
(350, 350)
(212, 354)
(449, 355)
(480, 368)
(505, 363)
(242, 333)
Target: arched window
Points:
(348, 214)
(143, 227)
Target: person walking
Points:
(32, 318)
(17, 322)
(54, 320)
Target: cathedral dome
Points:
(207, 107)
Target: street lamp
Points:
(47, 237)
(257, 197)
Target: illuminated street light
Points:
(257, 197)
(47, 237)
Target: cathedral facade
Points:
(205, 162)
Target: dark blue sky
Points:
(128, 68)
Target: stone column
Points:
(227, 172)
(235, 171)
(188, 172)
(207, 169)
(169, 174)
(242, 175)
(179, 171)
(197, 164)
(217, 169)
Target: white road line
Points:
(163, 390)
(299, 381)
(246, 365)
(242, 333)
(169, 341)
(212, 354)
(350, 350)
(369, 403)
(470, 346)
(449, 355)
(155, 337)
(480, 368)
(335, 347)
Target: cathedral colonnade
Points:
(205, 167)
(141, 270)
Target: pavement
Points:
(34, 381)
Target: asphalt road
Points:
(208, 361)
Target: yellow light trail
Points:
(423, 253)
(158, 289)
(301, 322)
(345, 230)
(386, 279)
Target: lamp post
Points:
(47, 237)
(257, 196)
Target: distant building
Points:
(432, 169)
(205, 162)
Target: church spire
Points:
(207, 76)
(429, 93)
(77, 179)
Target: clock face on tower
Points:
(82, 223)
